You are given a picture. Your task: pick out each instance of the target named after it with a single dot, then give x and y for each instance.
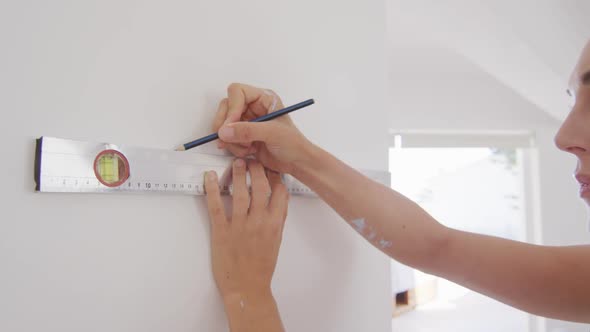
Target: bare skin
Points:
(245, 247)
(528, 277)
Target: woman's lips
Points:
(584, 181)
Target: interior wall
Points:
(150, 73)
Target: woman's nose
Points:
(571, 136)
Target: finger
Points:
(260, 187)
(248, 132)
(267, 103)
(241, 198)
(219, 119)
(220, 115)
(239, 150)
(279, 199)
(239, 97)
(274, 178)
(214, 202)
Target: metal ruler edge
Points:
(63, 165)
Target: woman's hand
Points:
(277, 144)
(245, 247)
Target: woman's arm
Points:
(547, 281)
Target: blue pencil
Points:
(263, 118)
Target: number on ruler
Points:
(148, 185)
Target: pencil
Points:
(263, 118)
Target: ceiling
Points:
(529, 46)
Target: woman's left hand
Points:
(245, 247)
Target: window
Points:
(476, 182)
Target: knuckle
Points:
(237, 151)
(242, 198)
(240, 206)
(233, 86)
(272, 92)
(220, 233)
(240, 153)
(210, 187)
(216, 211)
(276, 177)
(254, 165)
(209, 190)
(238, 165)
(252, 228)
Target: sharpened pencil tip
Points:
(180, 148)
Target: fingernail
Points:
(239, 163)
(227, 132)
(211, 175)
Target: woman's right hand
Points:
(277, 144)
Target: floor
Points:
(466, 312)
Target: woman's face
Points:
(574, 134)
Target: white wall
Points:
(433, 88)
(150, 73)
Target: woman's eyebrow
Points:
(585, 78)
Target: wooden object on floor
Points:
(404, 302)
(423, 293)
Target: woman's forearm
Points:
(529, 277)
(390, 221)
(543, 280)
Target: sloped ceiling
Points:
(529, 46)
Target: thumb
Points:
(248, 132)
